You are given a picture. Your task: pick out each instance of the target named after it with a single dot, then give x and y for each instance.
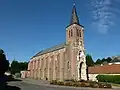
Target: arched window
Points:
(68, 64)
(46, 62)
(58, 64)
(32, 65)
(38, 63)
(52, 59)
(77, 32)
(42, 63)
(71, 33)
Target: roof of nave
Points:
(54, 48)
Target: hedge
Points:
(109, 78)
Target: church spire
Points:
(74, 18)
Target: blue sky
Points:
(28, 26)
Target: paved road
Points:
(19, 85)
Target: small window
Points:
(68, 65)
(77, 32)
(80, 33)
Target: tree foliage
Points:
(4, 64)
(89, 60)
(103, 61)
(98, 61)
(16, 66)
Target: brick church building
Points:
(65, 61)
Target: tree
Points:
(4, 64)
(98, 61)
(16, 66)
(109, 59)
(103, 61)
(89, 60)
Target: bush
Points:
(69, 83)
(109, 86)
(94, 85)
(109, 78)
(60, 83)
(77, 84)
(81, 84)
(53, 82)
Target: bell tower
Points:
(75, 31)
(75, 46)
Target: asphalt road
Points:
(25, 86)
(19, 85)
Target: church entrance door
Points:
(80, 70)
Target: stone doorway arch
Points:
(81, 64)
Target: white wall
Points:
(92, 77)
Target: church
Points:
(65, 61)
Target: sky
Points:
(28, 26)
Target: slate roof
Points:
(105, 69)
(54, 48)
(74, 17)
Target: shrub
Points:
(94, 85)
(65, 83)
(109, 86)
(109, 78)
(104, 85)
(53, 82)
(101, 85)
(60, 83)
(82, 84)
(69, 83)
(75, 84)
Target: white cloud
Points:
(103, 14)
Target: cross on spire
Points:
(74, 2)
